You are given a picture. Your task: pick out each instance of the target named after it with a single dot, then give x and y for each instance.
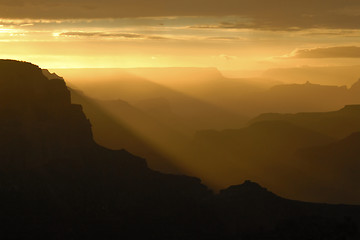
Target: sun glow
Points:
(219, 42)
(7, 30)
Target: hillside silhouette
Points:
(57, 183)
(293, 98)
(337, 165)
(338, 124)
(260, 151)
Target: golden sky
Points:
(237, 35)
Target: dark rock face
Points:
(38, 110)
(57, 183)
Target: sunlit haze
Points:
(180, 119)
(238, 38)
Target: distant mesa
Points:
(307, 86)
(335, 75)
(338, 124)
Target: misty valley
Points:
(177, 153)
(194, 121)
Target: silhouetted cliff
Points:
(37, 117)
(52, 170)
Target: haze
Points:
(221, 90)
(240, 37)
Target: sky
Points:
(247, 36)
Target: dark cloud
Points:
(330, 52)
(112, 35)
(263, 14)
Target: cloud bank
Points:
(264, 14)
(112, 35)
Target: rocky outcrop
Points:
(37, 119)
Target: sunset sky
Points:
(231, 35)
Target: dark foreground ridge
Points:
(57, 183)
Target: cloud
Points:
(248, 25)
(26, 22)
(227, 38)
(111, 35)
(226, 57)
(260, 14)
(329, 52)
(224, 25)
(332, 33)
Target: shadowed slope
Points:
(259, 151)
(337, 165)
